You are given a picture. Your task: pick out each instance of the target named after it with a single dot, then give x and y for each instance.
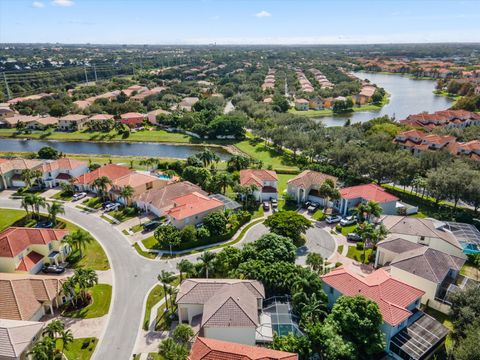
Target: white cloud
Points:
(64, 3)
(38, 4)
(263, 14)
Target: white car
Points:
(349, 220)
(332, 219)
(79, 196)
(111, 206)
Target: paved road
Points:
(319, 240)
(133, 276)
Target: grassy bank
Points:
(101, 296)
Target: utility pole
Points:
(6, 85)
(85, 71)
(95, 72)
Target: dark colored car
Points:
(53, 269)
(266, 206)
(151, 225)
(353, 237)
(47, 224)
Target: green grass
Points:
(282, 182)
(148, 255)
(62, 196)
(153, 298)
(93, 258)
(156, 356)
(471, 271)
(269, 156)
(340, 249)
(94, 203)
(101, 296)
(124, 214)
(345, 230)
(9, 216)
(150, 136)
(79, 349)
(319, 215)
(136, 228)
(355, 254)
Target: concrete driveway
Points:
(319, 240)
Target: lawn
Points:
(124, 214)
(470, 271)
(153, 298)
(94, 203)
(269, 156)
(282, 182)
(9, 216)
(354, 253)
(150, 136)
(148, 255)
(340, 249)
(93, 258)
(62, 196)
(79, 349)
(101, 296)
(319, 215)
(345, 230)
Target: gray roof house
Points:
(16, 338)
(222, 309)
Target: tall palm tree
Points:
(207, 259)
(78, 240)
(127, 192)
(224, 180)
(312, 309)
(37, 203)
(101, 185)
(184, 266)
(68, 288)
(374, 210)
(54, 328)
(84, 279)
(67, 338)
(315, 261)
(27, 201)
(171, 350)
(43, 349)
(26, 176)
(208, 157)
(165, 277)
(54, 209)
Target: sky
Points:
(239, 21)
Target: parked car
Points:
(79, 196)
(151, 225)
(349, 220)
(311, 209)
(332, 219)
(266, 206)
(307, 204)
(106, 203)
(53, 269)
(47, 224)
(274, 203)
(111, 207)
(353, 237)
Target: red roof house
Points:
(351, 196)
(111, 171)
(264, 180)
(211, 349)
(132, 119)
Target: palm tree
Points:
(207, 260)
(208, 157)
(315, 261)
(54, 209)
(43, 349)
(312, 309)
(84, 279)
(68, 289)
(165, 277)
(54, 328)
(26, 176)
(184, 266)
(171, 350)
(101, 185)
(224, 180)
(127, 192)
(328, 191)
(37, 203)
(78, 240)
(27, 201)
(67, 338)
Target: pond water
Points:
(407, 96)
(113, 148)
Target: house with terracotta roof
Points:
(100, 117)
(63, 170)
(351, 197)
(112, 171)
(140, 182)
(29, 297)
(11, 169)
(187, 103)
(6, 112)
(28, 249)
(429, 232)
(152, 115)
(301, 104)
(222, 309)
(304, 187)
(72, 122)
(42, 122)
(430, 270)
(266, 182)
(404, 325)
(17, 337)
(132, 119)
(444, 118)
(158, 201)
(192, 208)
(211, 349)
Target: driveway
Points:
(319, 240)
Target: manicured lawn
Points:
(93, 258)
(269, 156)
(79, 349)
(136, 228)
(282, 182)
(124, 214)
(355, 254)
(62, 196)
(151, 136)
(347, 229)
(94, 203)
(156, 356)
(153, 298)
(340, 249)
(101, 294)
(148, 255)
(319, 215)
(9, 216)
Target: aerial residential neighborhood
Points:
(241, 180)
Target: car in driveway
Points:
(274, 203)
(353, 237)
(332, 219)
(79, 196)
(349, 220)
(151, 225)
(53, 269)
(111, 206)
(47, 224)
(266, 206)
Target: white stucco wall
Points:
(192, 310)
(242, 335)
(421, 283)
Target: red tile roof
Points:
(308, 178)
(211, 349)
(391, 295)
(29, 261)
(132, 115)
(62, 163)
(16, 239)
(370, 192)
(257, 176)
(192, 204)
(112, 171)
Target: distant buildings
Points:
(444, 118)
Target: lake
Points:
(113, 148)
(407, 96)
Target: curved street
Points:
(134, 276)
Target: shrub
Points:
(337, 264)
(360, 245)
